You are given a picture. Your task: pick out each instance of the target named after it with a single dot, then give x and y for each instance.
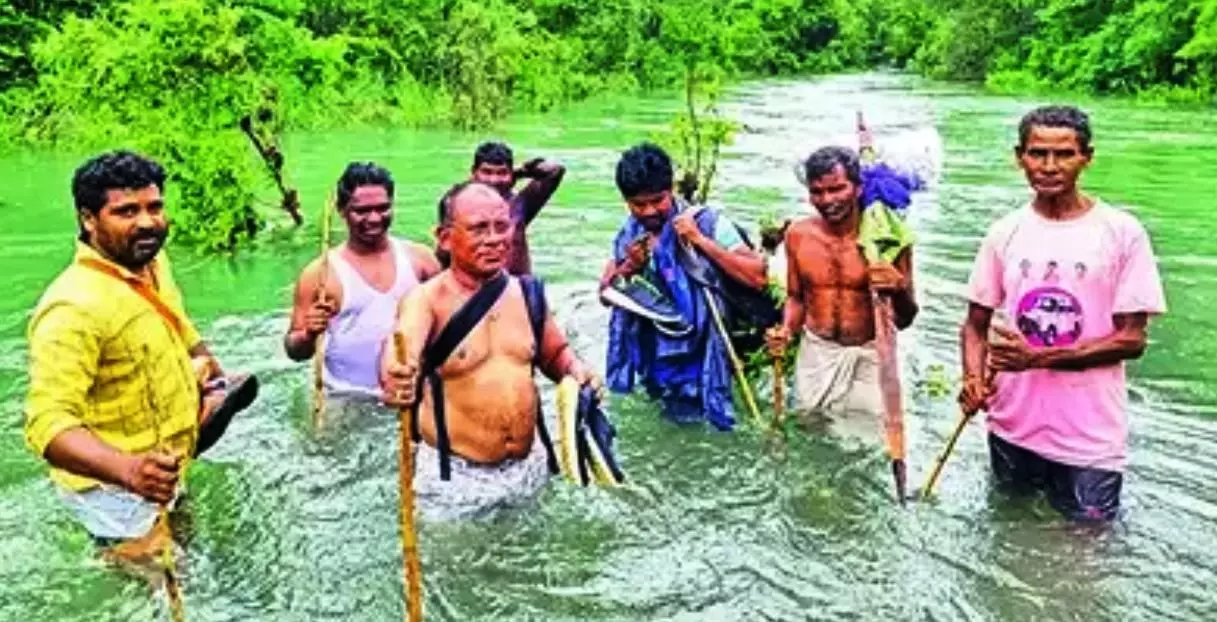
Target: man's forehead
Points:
(835, 176)
(370, 195)
(119, 196)
(478, 203)
(647, 199)
(1048, 135)
(494, 166)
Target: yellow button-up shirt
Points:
(101, 357)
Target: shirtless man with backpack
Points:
(474, 337)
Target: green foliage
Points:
(1166, 47)
(695, 139)
(173, 77)
(24, 23)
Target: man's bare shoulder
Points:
(311, 273)
(432, 289)
(801, 229)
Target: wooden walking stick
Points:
(736, 365)
(411, 566)
(177, 609)
(319, 351)
(779, 391)
(941, 460)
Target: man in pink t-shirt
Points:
(1077, 280)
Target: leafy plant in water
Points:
(695, 139)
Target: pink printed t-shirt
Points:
(1058, 283)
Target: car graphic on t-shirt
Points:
(1050, 316)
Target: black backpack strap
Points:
(538, 310)
(463, 321)
(443, 445)
(453, 333)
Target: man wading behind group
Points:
(475, 334)
(365, 279)
(492, 165)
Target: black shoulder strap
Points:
(458, 326)
(538, 310)
(463, 321)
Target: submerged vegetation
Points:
(175, 77)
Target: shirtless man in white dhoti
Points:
(829, 299)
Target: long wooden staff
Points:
(941, 460)
(779, 392)
(319, 351)
(736, 364)
(411, 567)
(177, 609)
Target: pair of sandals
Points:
(640, 297)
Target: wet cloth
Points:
(103, 357)
(357, 333)
(883, 234)
(472, 489)
(1060, 282)
(690, 374)
(840, 382)
(111, 513)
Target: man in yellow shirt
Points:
(116, 368)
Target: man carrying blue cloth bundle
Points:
(669, 260)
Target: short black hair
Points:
(362, 174)
(1071, 117)
(493, 152)
(113, 170)
(644, 169)
(822, 161)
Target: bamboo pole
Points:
(177, 608)
(779, 392)
(941, 460)
(736, 365)
(411, 566)
(319, 351)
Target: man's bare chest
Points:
(835, 263)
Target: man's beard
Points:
(138, 251)
(652, 223)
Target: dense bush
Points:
(174, 77)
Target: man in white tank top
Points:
(352, 294)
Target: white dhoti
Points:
(840, 383)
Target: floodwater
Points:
(286, 522)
